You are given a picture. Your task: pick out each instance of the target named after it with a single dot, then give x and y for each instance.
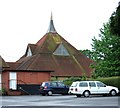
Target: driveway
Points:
(58, 100)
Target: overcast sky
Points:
(26, 21)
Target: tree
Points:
(88, 53)
(106, 52)
(115, 22)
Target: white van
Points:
(87, 88)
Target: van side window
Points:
(92, 84)
(99, 84)
(83, 84)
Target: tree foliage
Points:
(106, 52)
(115, 22)
(87, 53)
(106, 49)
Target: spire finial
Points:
(51, 16)
(51, 26)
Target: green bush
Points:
(3, 92)
(111, 81)
(68, 81)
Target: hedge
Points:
(68, 81)
(111, 81)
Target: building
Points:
(51, 57)
(18, 82)
(53, 52)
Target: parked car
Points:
(87, 88)
(53, 87)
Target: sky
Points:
(27, 21)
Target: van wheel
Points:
(113, 93)
(86, 94)
(49, 93)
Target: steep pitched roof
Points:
(43, 58)
(53, 52)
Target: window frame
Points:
(61, 51)
(13, 80)
(29, 52)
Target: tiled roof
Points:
(3, 64)
(43, 58)
(66, 61)
(13, 66)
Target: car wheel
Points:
(78, 95)
(86, 93)
(43, 94)
(105, 95)
(50, 93)
(64, 94)
(113, 93)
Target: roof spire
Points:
(51, 16)
(51, 25)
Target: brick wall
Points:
(24, 78)
(32, 77)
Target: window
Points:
(74, 84)
(45, 84)
(83, 84)
(13, 80)
(92, 84)
(100, 84)
(61, 50)
(29, 52)
(54, 84)
(61, 84)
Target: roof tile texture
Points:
(76, 64)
